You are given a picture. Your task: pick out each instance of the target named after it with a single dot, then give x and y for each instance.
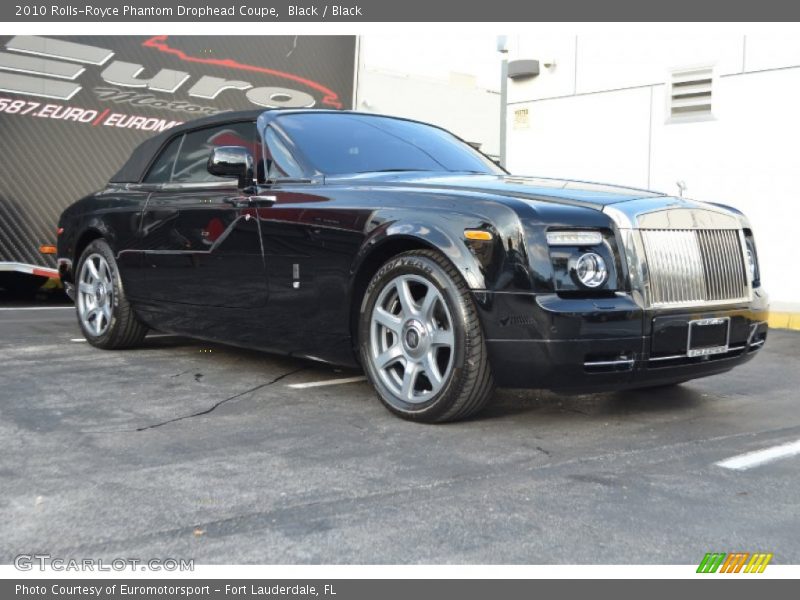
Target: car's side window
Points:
(281, 162)
(161, 171)
(190, 167)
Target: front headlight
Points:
(574, 238)
(583, 260)
(590, 270)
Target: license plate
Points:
(708, 336)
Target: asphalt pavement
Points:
(186, 449)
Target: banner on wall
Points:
(72, 108)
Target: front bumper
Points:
(65, 272)
(579, 344)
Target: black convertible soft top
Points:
(142, 156)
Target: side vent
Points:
(690, 94)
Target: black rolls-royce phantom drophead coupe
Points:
(372, 241)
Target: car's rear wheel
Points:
(105, 316)
(421, 342)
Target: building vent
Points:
(690, 93)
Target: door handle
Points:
(245, 201)
(262, 200)
(237, 201)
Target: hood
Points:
(576, 193)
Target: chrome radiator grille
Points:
(695, 266)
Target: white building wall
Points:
(457, 103)
(601, 114)
(435, 79)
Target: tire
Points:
(105, 316)
(421, 342)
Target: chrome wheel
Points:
(95, 295)
(411, 339)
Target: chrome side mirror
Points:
(233, 161)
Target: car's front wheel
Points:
(105, 316)
(421, 342)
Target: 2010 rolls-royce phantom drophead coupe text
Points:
(361, 239)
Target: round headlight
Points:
(751, 264)
(590, 270)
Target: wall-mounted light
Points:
(523, 69)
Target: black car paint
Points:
(288, 277)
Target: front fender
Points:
(438, 232)
(497, 264)
(433, 237)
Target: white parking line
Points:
(760, 457)
(313, 384)
(37, 308)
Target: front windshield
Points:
(339, 143)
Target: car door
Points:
(310, 241)
(202, 241)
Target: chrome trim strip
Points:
(198, 186)
(638, 275)
(731, 349)
(671, 357)
(686, 218)
(665, 212)
(607, 363)
(748, 279)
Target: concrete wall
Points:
(600, 113)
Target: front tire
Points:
(421, 342)
(105, 316)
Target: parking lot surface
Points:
(186, 449)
